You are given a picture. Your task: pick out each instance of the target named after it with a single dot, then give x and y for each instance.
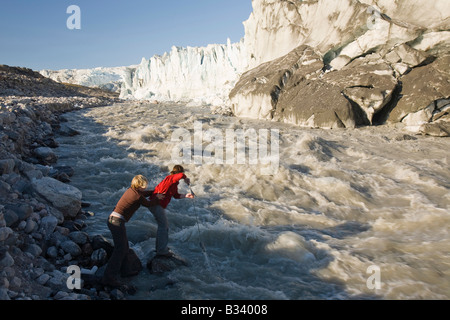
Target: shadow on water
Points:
(104, 169)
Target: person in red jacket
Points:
(169, 188)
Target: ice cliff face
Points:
(344, 63)
(204, 75)
(278, 26)
(200, 75)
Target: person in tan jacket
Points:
(133, 198)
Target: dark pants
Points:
(119, 234)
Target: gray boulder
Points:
(79, 237)
(161, 264)
(65, 130)
(63, 197)
(71, 247)
(99, 257)
(5, 232)
(257, 92)
(295, 89)
(6, 260)
(23, 211)
(34, 250)
(46, 154)
(48, 225)
(7, 166)
(422, 87)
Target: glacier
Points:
(197, 75)
(201, 75)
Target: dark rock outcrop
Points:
(161, 264)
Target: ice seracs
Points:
(205, 75)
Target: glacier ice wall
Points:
(200, 75)
(204, 75)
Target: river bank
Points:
(42, 217)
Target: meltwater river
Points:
(348, 214)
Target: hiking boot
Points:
(168, 254)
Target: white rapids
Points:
(341, 202)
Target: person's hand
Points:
(190, 196)
(160, 196)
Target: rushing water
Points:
(347, 209)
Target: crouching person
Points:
(133, 198)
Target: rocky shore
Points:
(42, 216)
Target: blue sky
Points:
(34, 33)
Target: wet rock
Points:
(295, 89)
(71, 247)
(79, 237)
(87, 249)
(439, 129)
(23, 211)
(161, 264)
(34, 250)
(43, 279)
(5, 189)
(48, 225)
(69, 171)
(7, 166)
(33, 174)
(65, 130)
(63, 177)
(5, 232)
(56, 213)
(30, 226)
(404, 137)
(100, 242)
(405, 54)
(11, 218)
(46, 155)
(421, 88)
(99, 257)
(52, 252)
(6, 260)
(4, 294)
(117, 294)
(56, 238)
(369, 85)
(257, 92)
